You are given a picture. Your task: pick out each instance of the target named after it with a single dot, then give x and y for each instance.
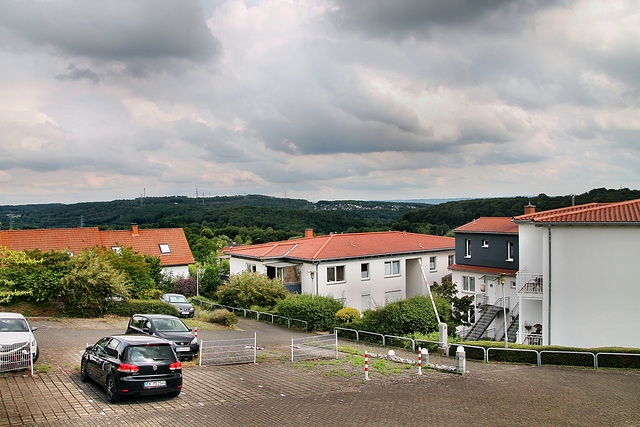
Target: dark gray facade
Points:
(487, 250)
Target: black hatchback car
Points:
(171, 328)
(132, 364)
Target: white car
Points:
(16, 338)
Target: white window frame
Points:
(164, 248)
(280, 273)
(509, 251)
(433, 263)
(116, 249)
(364, 274)
(451, 259)
(468, 284)
(332, 274)
(485, 243)
(251, 268)
(467, 248)
(392, 268)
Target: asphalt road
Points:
(276, 392)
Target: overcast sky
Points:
(317, 99)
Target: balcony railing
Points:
(529, 283)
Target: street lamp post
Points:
(504, 314)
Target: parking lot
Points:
(277, 392)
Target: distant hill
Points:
(430, 201)
(282, 218)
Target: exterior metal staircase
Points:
(483, 322)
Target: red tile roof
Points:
(146, 241)
(490, 224)
(595, 213)
(489, 270)
(352, 245)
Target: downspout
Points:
(316, 264)
(549, 285)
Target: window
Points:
(392, 268)
(280, 273)
(485, 243)
(335, 274)
(366, 302)
(513, 284)
(467, 248)
(116, 249)
(450, 260)
(432, 263)
(364, 271)
(251, 268)
(468, 284)
(164, 249)
(509, 251)
(391, 296)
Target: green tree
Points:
(249, 289)
(461, 307)
(92, 285)
(142, 271)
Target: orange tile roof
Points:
(602, 213)
(146, 241)
(478, 269)
(351, 245)
(490, 224)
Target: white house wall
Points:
(176, 271)
(595, 286)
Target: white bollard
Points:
(442, 336)
(425, 356)
(461, 360)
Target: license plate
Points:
(182, 349)
(153, 384)
(184, 312)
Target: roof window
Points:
(164, 249)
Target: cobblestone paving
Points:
(277, 392)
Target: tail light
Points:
(128, 369)
(175, 366)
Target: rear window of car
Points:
(150, 353)
(178, 298)
(13, 325)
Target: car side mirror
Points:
(146, 330)
(35, 328)
(89, 348)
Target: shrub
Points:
(222, 317)
(152, 294)
(318, 311)
(347, 315)
(248, 289)
(130, 307)
(404, 317)
(185, 286)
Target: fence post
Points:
(419, 361)
(366, 366)
(460, 360)
(442, 328)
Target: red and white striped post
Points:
(366, 366)
(419, 361)
(196, 332)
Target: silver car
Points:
(18, 345)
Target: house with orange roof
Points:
(168, 244)
(577, 282)
(363, 270)
(485, 269)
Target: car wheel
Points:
(35, 358)
(175, 393)
(84, 377)
(112, 392)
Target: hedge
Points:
(130, 307)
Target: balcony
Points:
(528, 283)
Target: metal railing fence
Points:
(288, 320)
(16, 357)
(228, 352)
(314, 347)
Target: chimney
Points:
(529, 209)
(134, 230)
(308, 233)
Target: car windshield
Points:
(149, 353)
(13, 325)
(178, 298)
(170, 325)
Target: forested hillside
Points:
(440, 219)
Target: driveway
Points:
(278, 392)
